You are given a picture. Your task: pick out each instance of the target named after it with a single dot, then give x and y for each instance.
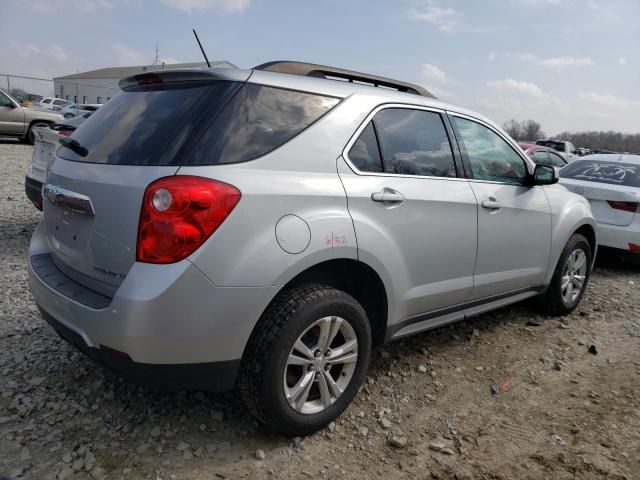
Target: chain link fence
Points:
(26, 88)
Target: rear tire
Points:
(292, 378)
(570, 278)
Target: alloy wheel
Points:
(320, 365)
(573, 276)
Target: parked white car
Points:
(52, 103)
(563, 147)
(611, 183)
(46, 140)
(76, 109)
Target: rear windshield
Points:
(195, 124)
(559, 146)
(613, 173)
(147, 125)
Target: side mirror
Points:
(545, 175)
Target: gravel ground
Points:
(509, 395)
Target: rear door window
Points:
(414, 142)
(365, 154)
(600, 171)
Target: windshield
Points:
(10, 96)
(613, 173)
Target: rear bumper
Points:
(33, 189)
(213, 376)
(620, 237)
(176, 327)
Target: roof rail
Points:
(323, 71)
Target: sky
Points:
(571, 65)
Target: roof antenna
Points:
(201, 49)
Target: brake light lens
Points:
(65, 133)
(634, 248)
(179, 214)
(625, 206)
(148, 79)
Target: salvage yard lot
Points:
(511, 394)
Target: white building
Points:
(98, 86)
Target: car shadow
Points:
(614, 261)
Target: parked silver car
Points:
(74, 110)
(265, 228)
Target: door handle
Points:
(387, 195)
(491, 204)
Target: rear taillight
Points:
(179, 213)
(626, 206)
(634, 248)
(65, 133)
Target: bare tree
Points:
(513, 128)
(610, 141)
(531, 130)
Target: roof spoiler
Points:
(158, 77)
(333, 73)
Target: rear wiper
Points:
(73, 145)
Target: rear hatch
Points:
(612, 188)
(97, 180)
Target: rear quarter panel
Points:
(299, 178)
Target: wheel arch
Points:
(358, 280)
(34, 121)
(354, 277)
(589, 233)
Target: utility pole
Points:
(156, 60)
(9, 84)
(77, 89)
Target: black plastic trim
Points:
(213, 376)
(45, 268)
(33, 189)
(392, 330)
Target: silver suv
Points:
(265, 228)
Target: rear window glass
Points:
(558, 146)
(148, 125)
(256, 121)
(195, 124)
(613, 173)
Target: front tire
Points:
(570, 278)
(30, 137)
(306, 359)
